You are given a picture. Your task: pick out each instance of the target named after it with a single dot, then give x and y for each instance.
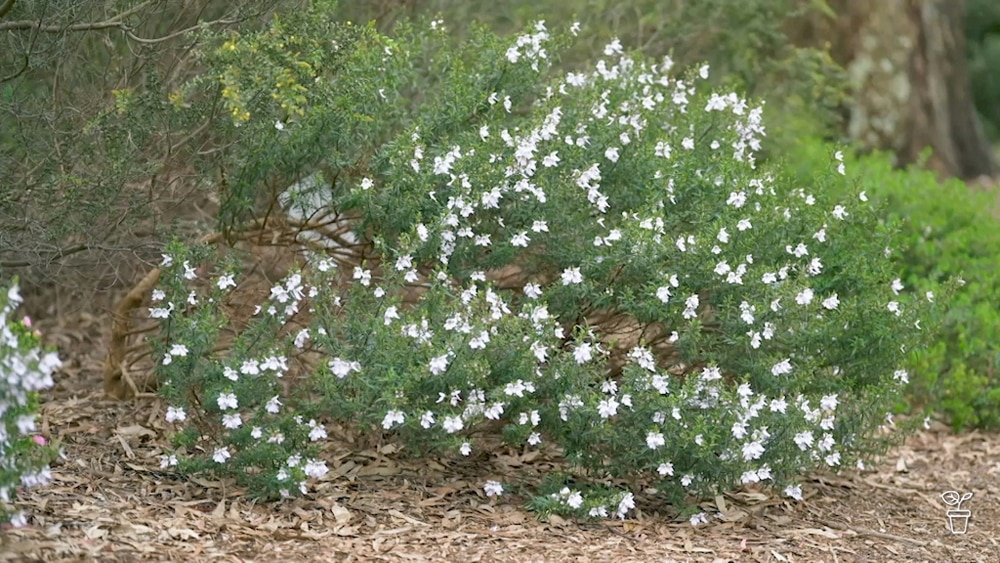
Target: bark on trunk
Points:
(906, 60)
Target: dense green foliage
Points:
(947, 230)
(982, 29)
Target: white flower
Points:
(250, 367)
(273, 405)
(611, 154)
(839, 212)
(18, 519)
(691, 307)
(752, 450)
(582, 353)
(393, 417)
(439, 364)
(232, 421)
(627, 503)
(493, 489)
(782, 367)
(613, 48)
(663, 294)
(427, 419)
(893, 307)
(221, 455)
(829, 402)
(532, 290)
(227, 401)
(804, 297)
(794, 491)
(901, 376)
(666, 469)
(571, 276)
(520, 239)
(700, 518)
(655, 440)
(390, 314)
(897, 286)
(189, 272)
(778, 405)
(315, 468)
(226, 281)
(176, 414)
(831, 302)
(804, 440)
(607, 407)
(465, 449)
(365, 276)
(453, 424)
(317, 432)
(341, 367)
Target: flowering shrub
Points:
(25, 369)
(593, 259)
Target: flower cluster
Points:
(25, 370)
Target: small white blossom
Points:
(655, 440)
(176, 414)
(572, 276)
(794, 491)
(782, 367)
(493, 489)
(227, 401)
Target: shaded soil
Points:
(111, 502)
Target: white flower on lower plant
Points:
(626, 504)
(794, 491)
(700, 518)
(176, 414)
(392, 418)
(493, 489)
(655, 440)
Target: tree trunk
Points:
(911, 88)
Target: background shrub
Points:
(947, 230)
